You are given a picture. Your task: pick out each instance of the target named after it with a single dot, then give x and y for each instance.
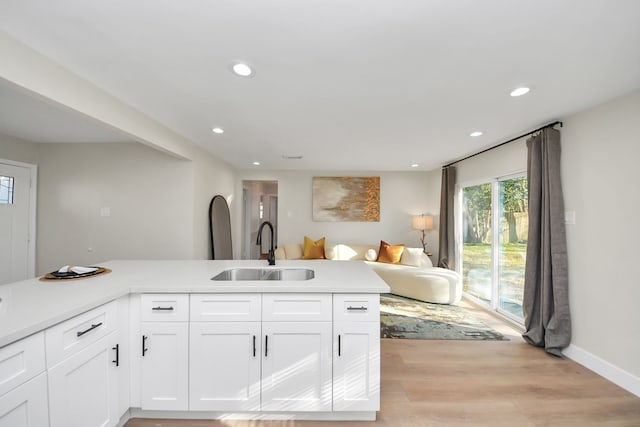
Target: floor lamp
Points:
(423, 223)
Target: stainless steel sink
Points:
(293, 274)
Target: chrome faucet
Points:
(272, 256)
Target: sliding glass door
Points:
(476, 241)
(493, 241)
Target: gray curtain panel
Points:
(546, 284)
(447, 243)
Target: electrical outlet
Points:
(570, 217)
(105, 212)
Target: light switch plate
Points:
(570, 217)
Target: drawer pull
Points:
(81, 333)
(144, 345)
(117, 349)
(159, 308)
(254, 346)
(361, 308)
(339, 347)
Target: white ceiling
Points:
(348, 84)
(33, 119)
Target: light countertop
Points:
(30, 306)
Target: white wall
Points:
(600, 174)
(402, 194)
(600, 154)
(158, 203)
(502, 161)
(211, 176)
(18, 150)
(149, 195)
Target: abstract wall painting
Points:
(346, 198)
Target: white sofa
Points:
(414, 277)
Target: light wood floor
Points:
(476, 383)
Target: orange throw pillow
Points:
(313, 250)
(390, 254)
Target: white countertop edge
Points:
(144, 285)
(58, 318)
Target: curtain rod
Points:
(506, 142)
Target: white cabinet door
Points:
(224, 366)
(164, 380)
(296, 366)
(356, 366)
(82, 387)
(26, 405)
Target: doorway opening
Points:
(259, 204)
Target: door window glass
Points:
(6, 190)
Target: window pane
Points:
(476, 240)
(514, 227)
(6, 190)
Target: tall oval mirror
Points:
(220, 228)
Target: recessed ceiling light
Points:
(476, 133)
(415, 165)
(217, 130)
(256, 163)
(242, 70)
(520, 91)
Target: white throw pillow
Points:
(330, 251)
(371, 255)
(293, 250)
(412, 257)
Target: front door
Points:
(15, 219)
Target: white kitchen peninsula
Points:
(161, 339)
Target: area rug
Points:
(411, 319)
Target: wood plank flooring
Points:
(476, 383)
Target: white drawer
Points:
(226, 307)
(296, 307)
(71, 336)
(164, 307)
(21, 361)
(356, 307)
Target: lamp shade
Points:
(422, 222)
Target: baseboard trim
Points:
(288, 416)
(618, 376)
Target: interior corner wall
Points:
(211, 176)
(600, 174)
(402, 194)
(149, 196)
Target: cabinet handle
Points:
(254, 346)
(266, 345)
(144, 343)
(117, 349)
(361, 308)
(81, 333)
(159, 308)
(339, 347)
